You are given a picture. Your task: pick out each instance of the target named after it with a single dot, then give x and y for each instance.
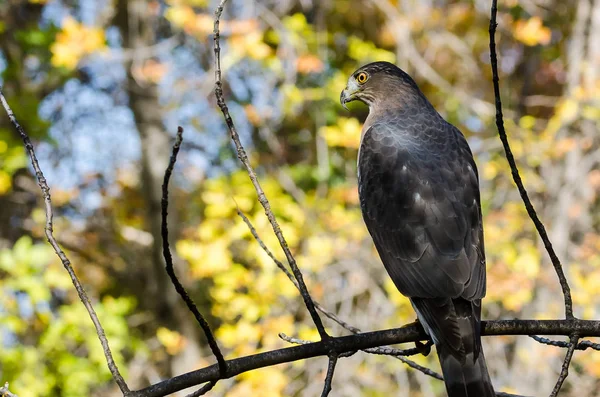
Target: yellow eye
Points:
(362, 77)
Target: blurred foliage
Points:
(285, 63)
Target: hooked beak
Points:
(345, 98)
(349, 94)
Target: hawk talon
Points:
(424, 348)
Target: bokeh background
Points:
(102, 85)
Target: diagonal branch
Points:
(331, 315)
(112, 366)
(566, 290)
(203, 390)
(289, 275)
(262, 198)
(564, 372)
(212, 342)
(333, 358)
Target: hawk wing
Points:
(419, 194)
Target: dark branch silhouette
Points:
(566, 290)
(351, 343)
(564, 372)
(203, 390)
(214, 347)
(515, 171)
(333, 358)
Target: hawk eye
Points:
(362, 77)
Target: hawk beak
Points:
(349, 94)
(344, 98)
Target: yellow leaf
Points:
(74, 42)
(532, 32)
(309, 64)
(173, 341)
(345, 134)
(5, 182)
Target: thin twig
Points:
(333, 358)
(583, 345)
(420, 368)
(4, 392)
(289, 275)
(326, 312)
(382, 350)
(351, 343)
(564, 372)
(203, 390)
(566, 290)
(262, 198)
(212, 342)
(112, 366)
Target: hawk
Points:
(419, 195)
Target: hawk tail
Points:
(454, 326)
(468, 379)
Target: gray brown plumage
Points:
(419, 194)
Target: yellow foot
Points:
(416, 322)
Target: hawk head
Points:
(376, 82)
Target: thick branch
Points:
(112, 366)
(340, 345)
(515, 171)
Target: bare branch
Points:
(350, 343)
(289, 275)
(262, 198)
(214, 346)
(515, 171)
(564, 372)
(112, 366)
(203, 390)
(583, 345)
(329, 377)
(4, 392)
(382, 351)
(329, 314)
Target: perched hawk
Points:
(419, 194)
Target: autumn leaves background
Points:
(113, 79)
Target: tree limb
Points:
(367, 340)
